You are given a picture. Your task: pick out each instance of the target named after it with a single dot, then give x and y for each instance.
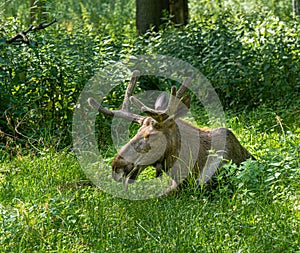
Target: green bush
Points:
(250, 58)
(41, 82)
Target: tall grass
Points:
(46, 207)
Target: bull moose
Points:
(169, 143)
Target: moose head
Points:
(164, 141)
(156, 142)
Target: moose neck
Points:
(171, 154)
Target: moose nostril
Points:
(117, 176)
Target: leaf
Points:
(277, 164)
(277, 174)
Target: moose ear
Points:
(162, 101)
(183, 107)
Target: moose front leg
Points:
(172, 187)
(159, 169)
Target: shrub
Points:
(250, 59)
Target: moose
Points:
(170, 144)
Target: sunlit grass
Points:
(254, 208)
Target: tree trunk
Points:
(296, 7)
(150, 13)
(179, 11)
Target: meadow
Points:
(254, 208)
(250, 55)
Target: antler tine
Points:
(175, 99)
(171, 105)
(116, 113)
(142, 106)
(177, 96)
(129, 90)
(183, 88)
(155, 114)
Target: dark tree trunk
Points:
(296, 7)
(151, 12)
(179, 11)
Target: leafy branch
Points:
(22, 37)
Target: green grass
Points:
(256, 209)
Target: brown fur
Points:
(170, 144)
(195, 144)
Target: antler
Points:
(176, 99)
(125, 111)
(129, 90)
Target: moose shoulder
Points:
(169, 143)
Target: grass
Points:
(256, 209)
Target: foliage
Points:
(249, 63)
(249, 57)
(41, 82)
